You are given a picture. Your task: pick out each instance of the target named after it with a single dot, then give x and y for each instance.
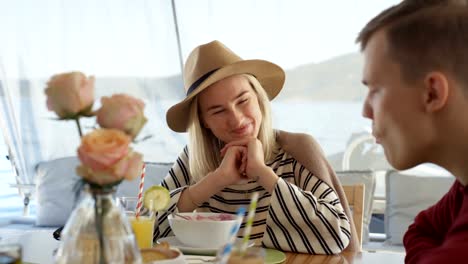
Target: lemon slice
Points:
(156, 198)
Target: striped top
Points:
(303, 214)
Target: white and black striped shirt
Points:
(303, 214)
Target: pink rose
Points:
(107, 158)
(122, 112)
(69, 94)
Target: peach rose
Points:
(70, 94)
(122, 112)
(107, 158)
(103, 148)
(130, 167)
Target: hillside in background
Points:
(337, 79)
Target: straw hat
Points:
(212, 62)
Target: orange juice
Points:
(143, 228)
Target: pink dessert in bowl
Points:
(203, 217)
(202, 230)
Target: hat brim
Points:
(270, 76)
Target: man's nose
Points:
(367, 110)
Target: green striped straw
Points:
(248, 224)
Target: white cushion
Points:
(408, 193)
(55, 188)
(366, 177)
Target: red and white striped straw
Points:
(140, 192)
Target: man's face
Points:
(395, 107)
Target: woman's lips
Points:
(242, 130)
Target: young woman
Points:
(234, 152)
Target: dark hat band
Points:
(199, 81)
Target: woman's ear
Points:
(436, 91)
(203, 123)
(200, 117)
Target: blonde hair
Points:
(204, 147)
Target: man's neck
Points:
(462, 180)
(456, 165)
(450, 150)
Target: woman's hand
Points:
(229, 172)
(232, 167)
(255, 167)
(255, 158)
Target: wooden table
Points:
(38, 247)
(364, 257)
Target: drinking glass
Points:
(252, 255)
(10, 254)
(143, 226)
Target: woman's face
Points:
(230, 109)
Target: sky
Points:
(137, 38)
(291, 32)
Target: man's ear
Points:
(436, 91)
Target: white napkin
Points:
(197, 259)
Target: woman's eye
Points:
(218, 111)
(243, 101)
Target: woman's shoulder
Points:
(183, 156)
(291, 142)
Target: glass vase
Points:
(98, 232)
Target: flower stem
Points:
(77, 120)
(98, 211)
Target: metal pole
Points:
(176, 24)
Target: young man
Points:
(416, 71)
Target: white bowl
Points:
(202, 233)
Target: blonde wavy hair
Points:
(204, 147)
